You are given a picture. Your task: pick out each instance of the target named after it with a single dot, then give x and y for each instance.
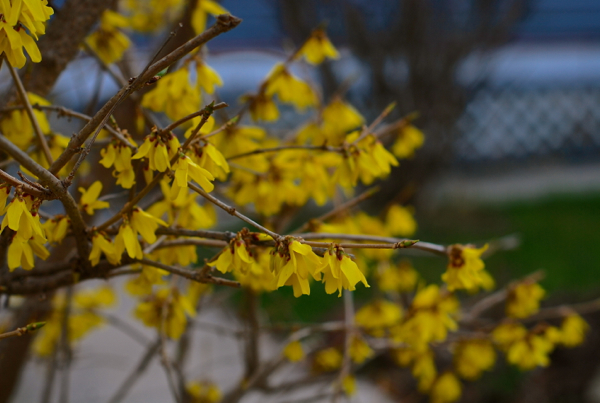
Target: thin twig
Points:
(288, 147)
(34, 123)
(57, 187)
(66, 347)
(339, 209)
(223, 24)
(22, 330)
(27, 188)
(165, 361)
(424, 246)
(349, 334)
(207, 110)
(232, 211)
(367, 130)
(132, 378)
(194, 275)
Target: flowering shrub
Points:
(178, 176)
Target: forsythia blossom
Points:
(340, 272)
(318, 47)
(21, 22)
(292, 263)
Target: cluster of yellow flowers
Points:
(325, 159)
(21, 22)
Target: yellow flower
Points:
(422, 362)
(95, 298)
(289, 88)
(378, 315)
(143, 283)
(89, 198)
(16, 16)
(397, 278)
(530, 352)
(507, 333)
(573, 330)
(339, 118)
(368, 160)
(327, 360)
(174, 95)
(211, 159)
(157, 151)
(372, 160)
(185, 167)
(82, 320)
(16, 125)
(117, 154)
(101, 244)
(446, 389)
(201, 11)
(237, 256)
(318, 47)
(340, 272)
(409, 139)
(465, 269)
(360, 350)
(524, 299)
(400, 221)
(108, 41)
(258, 277)
(150, 311)
(20, 219)
(189, 213)
(21, 251)
(262, 108)
(269, 191)
(145, 224)
(429, 319)
(526, 349)
(349, 385)
(203, 392)
(183, 255)
(152, 15)
(293, 351)
(126, 240)
(4, 193)
(472, 357)
(292, 262)
(57, 144)
(206, 77)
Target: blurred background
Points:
(508, 96)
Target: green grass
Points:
(559, 235)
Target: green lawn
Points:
(559, 235)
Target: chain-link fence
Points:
(508, 123)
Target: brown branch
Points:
(27, 188)
(197, 242)
(137, 372)
(339, 209)
(232, 211)
(398, 245)
(424, 246)
(62, 111)
(207, 111)
(223, 24)
(223, 236)
(367, 130)
(194, 275)
(22, 330)
(288, 147)
(78, 226)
